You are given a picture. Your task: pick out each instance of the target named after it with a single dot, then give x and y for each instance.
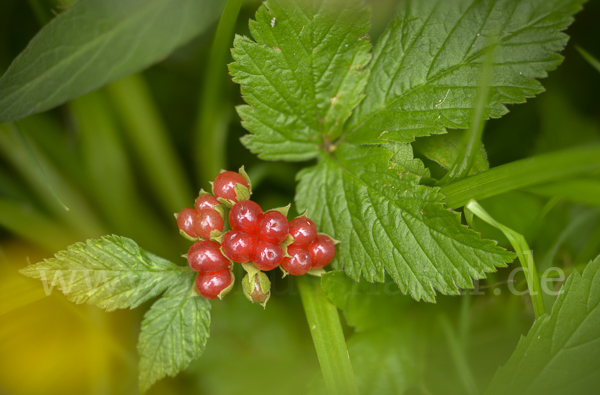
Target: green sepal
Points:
(203, 192)
(188, 237)
(225, 202)
(257, 287)
(184, 256)
(316, 272)
(219, 209)
(285, 272)
(194, 292)
(223, 252)
(229, 288)
(285, 244)
(242, 192)
(335, 242)
(216, 235)
(243, 173)
(303, 215)
(283, 210)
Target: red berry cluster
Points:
(265, 239)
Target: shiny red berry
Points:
(224, 186)
(273, 227)
(206, 202)
(186, 221)
(210, 285)
(206, 257)
(246, 216)
(239, 246)
(300, 262)
(208, 220)
(303, 230)
(267, 255)
(322, 251)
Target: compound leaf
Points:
(174, 332)
(112, 272)
(561, 353)
(302, 76)
(387, 222)
(424, 68)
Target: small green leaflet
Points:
(561, 353)
(424, 68)
(303, 75)
(112, 272)
(174, 332)
(444, 149)
(389, 223)
(95, 42)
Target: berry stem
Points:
(328, 337)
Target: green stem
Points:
(211, 125)
(326, 330)
(523, 173)
(149, 137)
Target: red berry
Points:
(273, 227)
(239, 246)
(303, 230)
(186, 221)
(206, 257)
(206, 202)
(210, 285)
(224, 186)
(267, 255)
(322, 251)
(300, 262)
(208, 220)
(246, 216)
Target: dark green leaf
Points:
(174, 332)
(387, 222)
(424, 68)
(561, 353)
(303, 75)
(96, 42)
(112, 272)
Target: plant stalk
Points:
(330, 344)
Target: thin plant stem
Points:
(328, 337)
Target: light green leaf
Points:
(444, 148)
(96, 42)
(561, 353)
(387, 222)
(174, 332)
(303, 75)
(424, 68)
(112, 272)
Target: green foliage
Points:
(560, 353)
(174, 332)
(96, 42)
(112, 272)
(389, 223)
(303, 75)
(424, 67)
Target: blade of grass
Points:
(523, 173)
(595, 63)
(209, 139)
(105, 159)
(150, 140)
(80, 218)
(523, 252)
(328, 338)
(458, 356)
(472, 139)
(25, 221)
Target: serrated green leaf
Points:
(424, 66)
(95, 42)
(303, 75)
(174, 332)
(112, 272)
(389, 223)
(560, 354)
(443, 149)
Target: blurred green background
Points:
(91, 151)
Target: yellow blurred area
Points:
(49, 345)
